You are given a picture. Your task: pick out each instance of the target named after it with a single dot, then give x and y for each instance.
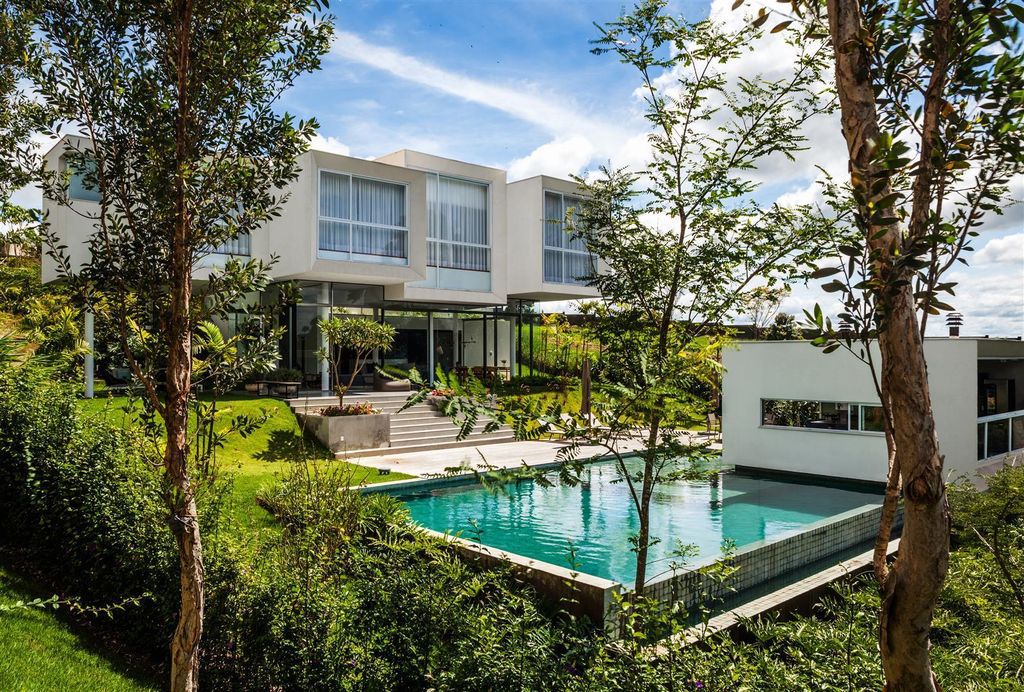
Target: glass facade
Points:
(566, 259)
(480, 341)
(362, 220)
(458, 236)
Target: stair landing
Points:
(419, 428)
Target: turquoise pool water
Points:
(598, 517)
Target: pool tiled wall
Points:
(760, 562)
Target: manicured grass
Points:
(256, 460)
(39, 651)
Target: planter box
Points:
(345, 433)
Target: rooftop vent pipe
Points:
(954, 321)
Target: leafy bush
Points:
(393, 372)
(281, 375)
(82, 502)
(354, 597)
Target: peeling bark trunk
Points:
(889, 506)
(912, 586)
(184, 517)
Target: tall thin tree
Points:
(175, 101)
(932, 102)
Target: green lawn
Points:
(256, 460)
(39, 651)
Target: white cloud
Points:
(1006, 250)
(550, 111)
(330, 144)
(577, 138)
(992, 301)
(556, 158)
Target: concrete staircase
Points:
(416, 429)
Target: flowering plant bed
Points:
(439, 397)
(364, 408)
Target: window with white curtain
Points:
(362, 219)
(236, 247)
(566, 259)
(457, 232)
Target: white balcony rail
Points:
(1000, 433)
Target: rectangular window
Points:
(821, 415)
(362, 220)
(236, 247)
(566, 259)
(82, 184)
(458, 236)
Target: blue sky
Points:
(513, 84)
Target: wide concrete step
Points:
(411, 446)
(438, 433)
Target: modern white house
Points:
(789, 407)
(446, 251)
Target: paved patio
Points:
(503, 455)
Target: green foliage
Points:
(557, 347)
(358, 335)
(38, 647)
(19, 283)
(84, 500)
(353, 597)
(993, 522)
(783, 328)
(933, 186)
(363, 408)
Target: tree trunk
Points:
(912, 586)
(185, 519)
(644, 510)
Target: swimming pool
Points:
(598, 517)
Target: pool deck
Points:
(438, 462)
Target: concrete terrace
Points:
(498, 455)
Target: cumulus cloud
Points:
(556, 158)
(330, 144)
(1006, 250)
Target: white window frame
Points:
(357, 256)
(490, 231)
(545, 248)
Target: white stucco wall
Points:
(516, 225)
(526, 241)
(797, 370)
(497, 213)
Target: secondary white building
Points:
(446, 251)
(786, 406)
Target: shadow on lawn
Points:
(289, 445)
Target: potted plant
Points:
(350, 426)
(358, 426)
(439, 397)
(391, 378)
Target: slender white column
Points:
(325, 314)
(512, 336)
(430, 348)
(90, 360)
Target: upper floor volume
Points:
(424, 227)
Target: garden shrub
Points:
(349, 595)
(83, 503)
